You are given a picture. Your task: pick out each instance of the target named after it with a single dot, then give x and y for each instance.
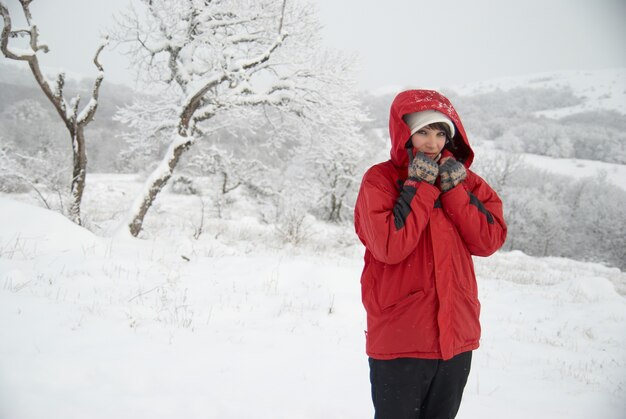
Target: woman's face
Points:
(429, 141)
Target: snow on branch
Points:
(89, 111)
(253, 62)
(7, 32)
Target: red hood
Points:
(420, 100)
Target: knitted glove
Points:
(451, 173)
(424, 169)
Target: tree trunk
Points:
(335, 208)
(79, 175)
(157, 180)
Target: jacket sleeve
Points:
(476, 211)
(388, 222)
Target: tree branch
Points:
(265, 56)
(282, 17)
(6, 33)
(90, 110)
(194, 101)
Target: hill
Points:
(598, 89)
(117, 327)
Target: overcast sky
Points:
(400, 42)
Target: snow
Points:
(573, 168)
(22, 52)
(32, 230)
(162, 171)
(168, 326)
(600, 89)
(580, 168)
(93, 103)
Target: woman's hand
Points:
(451, 173)
(423, 168)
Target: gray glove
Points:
(451, 173)
(424, 169)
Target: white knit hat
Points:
(419, 120)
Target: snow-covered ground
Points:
(600, 89)
(228, 326)
(579, 168)
(572, 168)
(236, 325)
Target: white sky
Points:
(400, 42)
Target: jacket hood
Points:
(420, 100)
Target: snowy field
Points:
(572, 168)
(600, 89)
(579, 168)
(228, 326)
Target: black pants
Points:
(410, 388)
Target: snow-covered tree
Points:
(74, 118)
(336, 148)
(497, 168)
(215, 63)
(30, 156)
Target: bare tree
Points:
(498, 168)
(210, 58)
(75, 119)
(338, 147)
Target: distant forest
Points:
(548, 215)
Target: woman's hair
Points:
(445, 128)
(441, 127)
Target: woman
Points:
(421, 216)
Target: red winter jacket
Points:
(418, 284)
